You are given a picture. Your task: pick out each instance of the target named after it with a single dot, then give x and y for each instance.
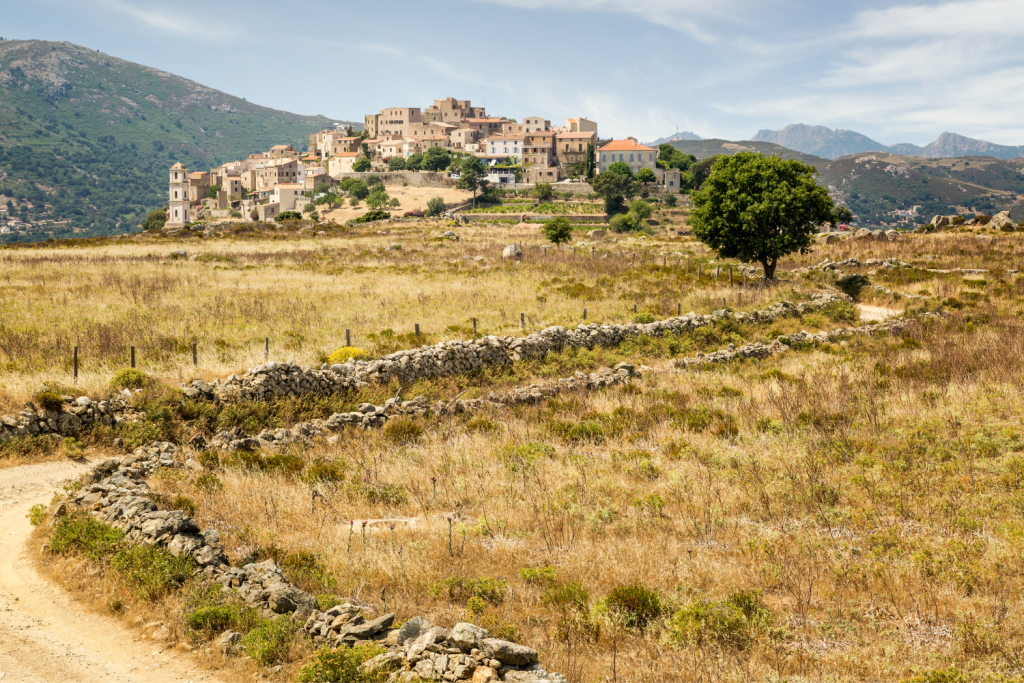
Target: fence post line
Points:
(679, 308)
(133, 356)
(474, 327)
(417, 330)
(730, 276)
(522, 320)
(634, 308)
(700, 267)
(266, 349)
(687, 266)
(76, 365)
(195, 355)
(348, 337)
(718, 271)
(584, 314)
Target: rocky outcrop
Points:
(74, 415)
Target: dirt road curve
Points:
(46, 636)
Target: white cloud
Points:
(943, 23)
(181, 23)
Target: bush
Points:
(542, 191)
(461, 589)
(208, 611)
(270, 641)
(346, 353)
(288, 216)
(415, 213)
(624, 222)
(324, 470)
(641, 209)
(49, 400)
(733, 622)
(636, 605)
(402, 431)
(37, 514)
(151, 572)
(236, 214)
(558, 230)
(571, 596)
(643, 318)
(435, 207)
(538, 575)
(670, 200)
(80, 533)
(371, 216)
(128, 378)
(330, 666)
(208, 482)
(852, 285)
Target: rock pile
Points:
(73, 415)
(115, 491)
(370, 416)
(456, 357)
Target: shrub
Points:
(558, 230)
(733, 622)
(402, 431)
(435, 207)
(346, 353)
(538, 575)
(415, 213)
(324, 470)
(330, 666)
(128, 378)
(522, 457)
(37, 514)
(236, 214)
(208, 482)
(460, 589)
(852, 285)
(151, 572)
(288, 216)
(371, 216)
(643, 318)
(570, 596)
(636, 605)
(80, 533)
(49, 400)
(208, 611)
(670, 200)
(641, 209)
(270, 641)
(501, 629)
(841, 312)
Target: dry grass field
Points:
(840, 512)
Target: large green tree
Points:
(759, 208)
(436, 159)
(471, 175)
(614, 189)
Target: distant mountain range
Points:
(86, 138)
(671, 138)
(832, 144)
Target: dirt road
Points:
(44, 634)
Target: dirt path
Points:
(44, 634)
(876, 313)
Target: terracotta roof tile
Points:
(626, 146)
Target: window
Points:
(603, 157)
(631, 158)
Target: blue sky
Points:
(895, 71)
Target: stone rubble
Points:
(115, 491)
(74, 415)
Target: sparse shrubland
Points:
(845, 511)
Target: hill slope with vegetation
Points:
(86, 138)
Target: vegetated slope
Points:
(875, 184)
(832, 144)
(86, 139)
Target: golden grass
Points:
(871, 491)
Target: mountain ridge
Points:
(835, 143)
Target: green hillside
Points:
(874, 184)
(86, 139)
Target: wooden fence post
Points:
(730, 276)
(195, 355)
(522, 320)
(266, 349)
(679, 308)
(417, 330)
(76, 365)
(133, 356)
(474, 327)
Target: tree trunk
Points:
(769, 268)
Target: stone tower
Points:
(178, 205)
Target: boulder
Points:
(228, 641)
(828, 238)
(413, 629)
(940, 222)
(370, 628)
(892, 235)
(508, 652)
(512, 252)
(485, 674)
(863, 234)
(468, 636)
(394, 246)
(597, 234)
(285, 599)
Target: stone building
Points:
(177, 197)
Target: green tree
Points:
(288, 216)
(642, 209)
(435, 207)
(414, 162)
(436, 159)
(670, 157)
(621, 168)
(396, 164)
(558, 230)
(154, 221)
(378, 199)
(212, 192)
(362, 165)
(645, 176)
(577, 170)
(355, 187)
(842, 214)
(702, 169)
(471, 175)
(543, 191)
(759, 208)
(614, 188)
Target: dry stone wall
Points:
(275, 379)
(115, 491)
(74, 415)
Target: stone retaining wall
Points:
(413, 178)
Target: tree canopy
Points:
(670, 157)
(614, 188)
(471, 172)
(621, 168)
(558, 230)
(436, 159)
(646, 175)
(702, 169)
(396, 164)
(759, 208)
(362, 164)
